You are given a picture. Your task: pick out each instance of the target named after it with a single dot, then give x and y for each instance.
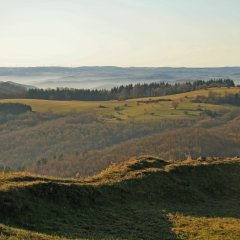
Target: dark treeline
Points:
(125, 92)
(14, 108)
(215, 98)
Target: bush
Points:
(14, 108)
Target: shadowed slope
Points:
(144, 198)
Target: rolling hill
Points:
(6, 89)
(61, 138)
(11, 88)
(141, 109)
(142, 198)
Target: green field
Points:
(134, 109)
(143, 198)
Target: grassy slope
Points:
(130, 110)
(144, 198)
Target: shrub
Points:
(14, 108)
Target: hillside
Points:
(10, 88)
(142, 198)
(208, 137)
(149, 109)
(62, 137)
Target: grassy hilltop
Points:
(142, 109)
(143, 198)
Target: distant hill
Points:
(8, 89)
(18, 85)
(107, 77)
(142, 198)
(11, 88)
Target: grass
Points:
(8, 233)
(143, 198)
(205, 228)
(114, 111)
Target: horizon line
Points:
(115, 66)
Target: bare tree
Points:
(175, 104)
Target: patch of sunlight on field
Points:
(134, 109)
(203, 92)
(9, 233)
(54, 106)
(203, 228)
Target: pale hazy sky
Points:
(194, 33)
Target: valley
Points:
(62, 138)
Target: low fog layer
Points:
(107, 77)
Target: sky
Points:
(157, 33)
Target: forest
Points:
(176, 140)
(79, 144)
(215, 98)
(125, 92)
